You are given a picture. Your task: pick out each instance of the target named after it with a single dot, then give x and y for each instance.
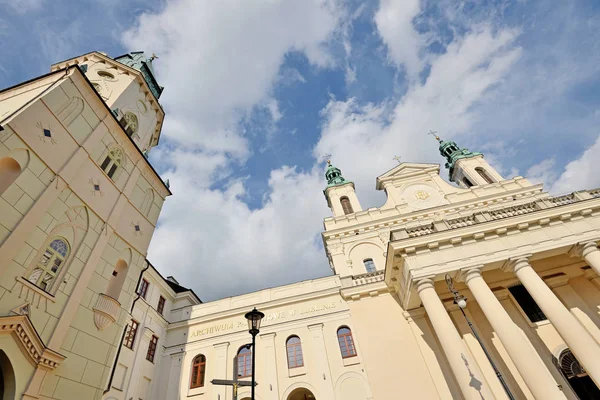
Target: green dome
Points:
(453, 153)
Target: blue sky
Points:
(257, 92)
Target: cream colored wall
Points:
(335, 193)
(12, 100)
(99, 227)
(391, 354)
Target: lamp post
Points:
(254, 317)
(461, 302)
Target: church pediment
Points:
(406, 171)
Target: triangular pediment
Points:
(406, 170)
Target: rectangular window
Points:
(152, 348)
(130, 334)
(105, 163)
(161, 305)
(527, 303)
(143, 288)
(369, 265)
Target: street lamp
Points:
(461, 302)
(254, 317)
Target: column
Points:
(271, 389)
(529, 364)
(577, 338)
(465, 370)
(325, 385)
(173, 387)
(590, 253)
(220, 370)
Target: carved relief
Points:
(46, 133)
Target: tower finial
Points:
(397, 158)
(434, 135)
(153, 57)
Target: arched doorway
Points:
(580, 381)
(7, 378)
(301, 394)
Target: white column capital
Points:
(424, 283)
(221, 346)
(466, 274)
(514, 264)
(582, 249)
(315, 327)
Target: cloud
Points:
(394, 20)
(363, 139)
(581, 173)
(224, 60)
(22, 6)
(211, 240)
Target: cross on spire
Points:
(153, 57)
(327, 158)
(434, 135)
(397, 158)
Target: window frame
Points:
(152, 345)
(160, 307)
(143, 290)
(244, 359)
(46, 268)
(372, 263)
(533, 309)
(113, 162)
(200, 362)
(348, 340)
(484, 174)
(297, 349)
(346, 205)
(130, 334)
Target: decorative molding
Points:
(46, 133)
(22, 330)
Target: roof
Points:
(177, 288)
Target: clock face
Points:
(421, 196)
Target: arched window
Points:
(244, 361)
(129, 122)
(577, 377)
(484, 175)
(112, 162)
(9, 172)
(117, 279)
(346, 342)
(346, 206)
(48, 266)
(198, 371)
(369, 265)
(467, 182)
(294, 352)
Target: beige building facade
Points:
(86, 316)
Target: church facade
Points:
(484, 287)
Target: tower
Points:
(467, 168)
(340, 194)
(79, 203)
(128, 86)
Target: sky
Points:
(259, 92)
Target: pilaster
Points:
(271, 389)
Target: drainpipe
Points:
(112, 372)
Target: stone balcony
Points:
(106, 311)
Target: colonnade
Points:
(529, 364)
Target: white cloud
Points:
(211, 240)
(394, 21)
(542, 172)
(581, 173)
(364, 139)
(22, 6)
(218, 59)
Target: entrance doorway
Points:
(581, 383)
(7, 378)
(301, 394)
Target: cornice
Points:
(496, 228)
(23, 332)
(452, 210)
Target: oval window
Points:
(105, 75)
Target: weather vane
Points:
(434, 135)
(397, 158)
